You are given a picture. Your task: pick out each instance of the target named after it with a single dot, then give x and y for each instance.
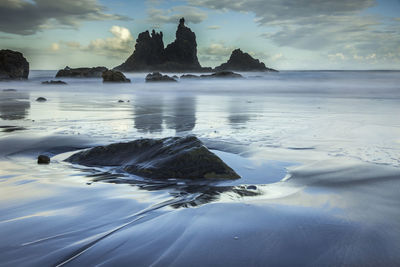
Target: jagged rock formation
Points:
(240, 61)
(95, 72)
(173, 157)
(158, 77)
(112, 76)
(13, 65)
(150, 54)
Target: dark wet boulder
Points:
(158, 77)
(113, 76)
(43, 159)
(222, 74)
(41, 99)
(173, 157)
(13, 65)
(95, 72)
(58, 82)
(240, 61)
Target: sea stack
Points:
(240, 61)
(13, 65)
(150, 54)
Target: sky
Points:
(284, 34)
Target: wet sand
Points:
(320, 174)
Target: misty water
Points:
(318, 153)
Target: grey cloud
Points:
(172, 15)
(331, 26)
(281, 10)
(28, 17)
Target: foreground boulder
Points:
(240, 61)
(173, 157)
(112, 76)
(158, 77)
(13, 65)
(95, 72)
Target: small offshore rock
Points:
(240, 61)
(158, 77)
(121, 101)
(58, 82)
(41, 99)
(95, 72)
(113, 76)
(43, 159)
(189, 76)
(222, 74)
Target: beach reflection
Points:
(14, 105)
(148, 114)
(182, 114)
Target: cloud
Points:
(120, 45)
(172, 15)
(54, 47)
(28, 17)
(319, 25)
(286, 10)
(214, 27)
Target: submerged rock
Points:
(240, 61)
(43, 159)
(13, 65)
(95, 72)
(112, 76)
(190, 76)
(173, 157)
(222, 74)
(158, 77)
(54, 82)
(41, 99)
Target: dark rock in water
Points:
(10, 129)
(173, 157)
(43, 159)
(240, 61)
(175, 77)
(190, 76)
(222, 74)
(112, 76)
(41, 99)
(13, 65)
(158, 77)
(95, 72)
(54, 82)
(121, 101)
(150, 54)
